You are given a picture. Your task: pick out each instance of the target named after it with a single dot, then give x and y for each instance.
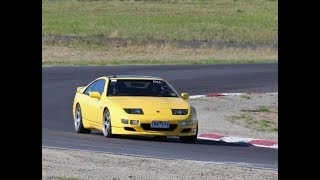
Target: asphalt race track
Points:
(58, 89)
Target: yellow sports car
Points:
(134, 105)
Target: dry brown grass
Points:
(151, 54)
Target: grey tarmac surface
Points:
(58, 88)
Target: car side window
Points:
(90, 88)
(100, 86)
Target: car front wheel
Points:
(106, 124)
(189, 139)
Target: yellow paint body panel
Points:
(154, 109)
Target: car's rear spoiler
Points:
(80, 89)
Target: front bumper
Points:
(143, 128)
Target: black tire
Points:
(78, 125)
(106, 124)
(189, 139)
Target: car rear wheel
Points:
(189, 139)
(106, 124)
(78, 125)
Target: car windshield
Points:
(128, 87)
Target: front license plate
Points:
(160, 124)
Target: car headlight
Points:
(133, 111)
(179, 111)
(124, 121)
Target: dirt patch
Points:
(62, 164)
(252, 116)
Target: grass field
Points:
(253, 22)
(263, 118)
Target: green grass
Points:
(263, 109)
(263, 118)
(260, 109)
(253, 21)
(265, 124)
(248, 23)
(254, 122)
(245, 96)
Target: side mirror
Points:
(185, 96)
(79, 89)
(95, 94)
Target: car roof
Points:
(132, 77)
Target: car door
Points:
(95, 106)
(86, 101)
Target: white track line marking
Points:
(229, 94)
(197, 96)
(230, 139)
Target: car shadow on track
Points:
(172, 140)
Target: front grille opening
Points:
(185, 130)
(146, 126)
(129, 129)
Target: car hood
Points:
(151, 105)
